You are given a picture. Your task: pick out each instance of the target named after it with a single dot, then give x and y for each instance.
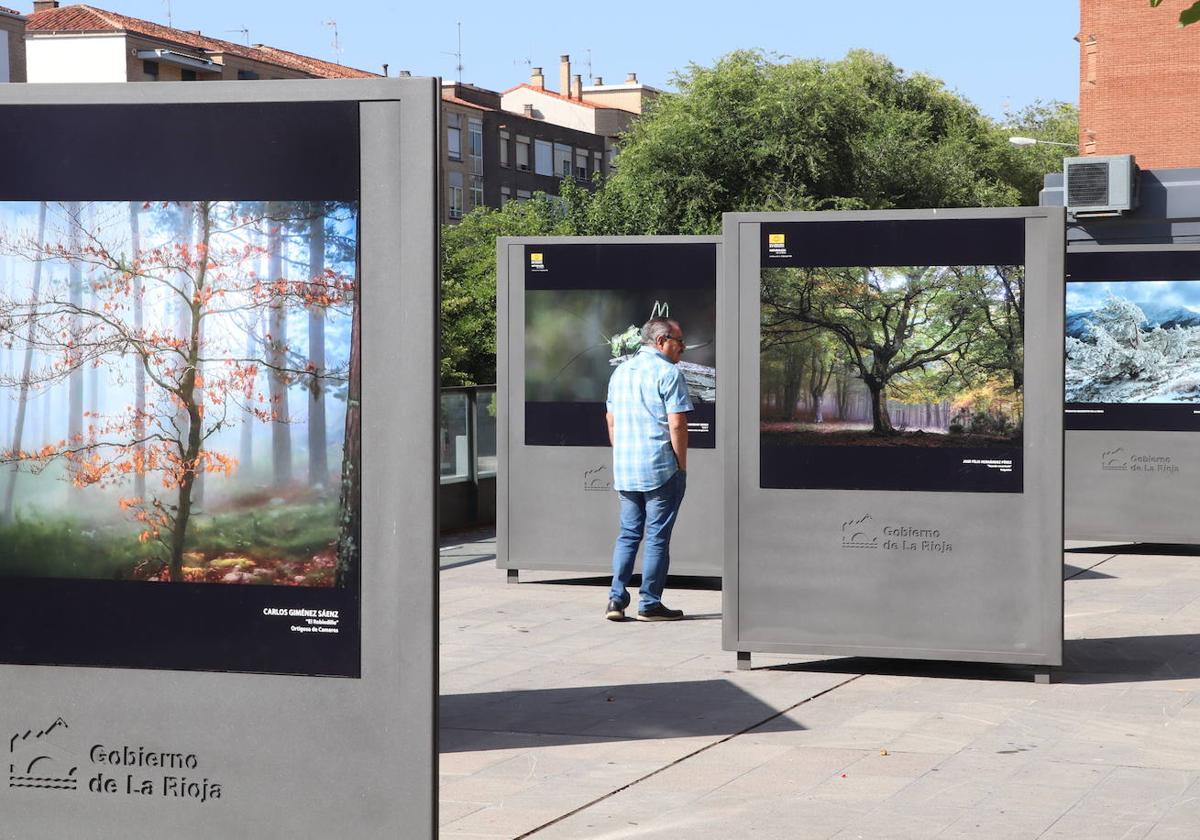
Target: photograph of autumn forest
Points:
(179, 391)
(904, 356)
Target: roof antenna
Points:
(458, 55)
(245, 33)
(170, 20)
(337, 44)
(589, 66)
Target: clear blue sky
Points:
(993, 53)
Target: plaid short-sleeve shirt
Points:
(641, 393)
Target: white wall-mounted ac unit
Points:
(1100, 185)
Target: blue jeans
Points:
(653, 512)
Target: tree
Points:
(281, 432)
(889, 321)
(469, 283)
(752, 134)
(318, 463)
(188, 284)
(1187, 16)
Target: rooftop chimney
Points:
(536, 78)
(564, 75)
(631, 79)
(598, 81)
(577, 87)
(44, 5)
(404, 73)
(529, 110)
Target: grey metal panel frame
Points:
(766, 570)
(1108, 504)
(297, 756)
(544, 519)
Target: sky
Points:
(998, 55)
(1083, 297)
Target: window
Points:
(455, 196)
(562, 160)
(186, 75)
(597, 163)
(454, 137)
(522, 153)
(475, 145)
(504, 148)
(581, 172)
(476, 190)
(505, 195)
(524, 195)
(247, 75)
(543, 157)
(150, 68)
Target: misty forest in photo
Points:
(906, 355)
(1133, 342)
(179, 391)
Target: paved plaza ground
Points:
(558, 724)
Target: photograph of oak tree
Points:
(179, 391)
(913, 356)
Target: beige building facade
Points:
(12, 46)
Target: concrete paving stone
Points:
(450, 809)
(888, 825)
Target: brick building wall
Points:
(1138, 77)
(12, 28)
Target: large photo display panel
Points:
(1133, 341)
(892, 355)
(179, 392)
(584, 308)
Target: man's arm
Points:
(612, 426)
(678, 426)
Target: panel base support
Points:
(1042, 675)
(512, 576)
(743, 660)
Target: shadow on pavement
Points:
(1085, 661)
(673, 582)
(1076, 573)
(559, 716)
(1162, 549)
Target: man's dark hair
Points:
(657, 328)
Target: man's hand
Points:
(678, 426)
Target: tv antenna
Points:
(245, 33)
(170, 20)
(458, 54)
(337, 43)
(590, 75)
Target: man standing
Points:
(647, 426)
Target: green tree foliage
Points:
(469, 283)
(752, 134)
(749, 134)
(1187, 16)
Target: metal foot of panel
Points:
(1042, 676)
(743, 660)
(512, 575)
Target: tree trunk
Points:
(881, 422)
(281, 430)
(246, 448)
(188, 394)
(350, 509)
(139, 368)
(318, 460)
(75, 291)
(23, 395)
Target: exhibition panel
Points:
(1132, 392)
(569, 311)
(894, 466)
(209, 296)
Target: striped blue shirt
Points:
(641, 393)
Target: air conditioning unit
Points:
(1100, 185)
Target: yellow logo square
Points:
(774, 238)
(535, 258)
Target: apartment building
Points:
(1138, 76)
(81, 43)
(12, 46)
(492, 156)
